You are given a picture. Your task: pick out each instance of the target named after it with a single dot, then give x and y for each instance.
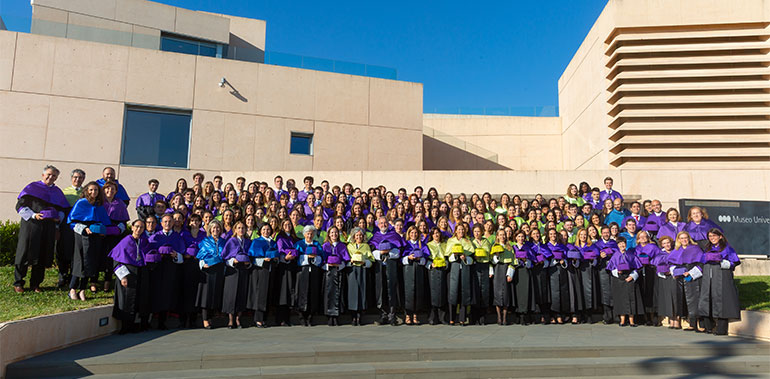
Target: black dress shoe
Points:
(633, 325)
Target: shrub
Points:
(9, 237)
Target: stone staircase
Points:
(407, 351)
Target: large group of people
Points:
(209, 248)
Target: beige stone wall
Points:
(62, 101)
(675, 84)
(519, 143)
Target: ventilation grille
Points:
(689, 97)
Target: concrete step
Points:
(742, 355)
(724, 366)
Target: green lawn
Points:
(14, 306)
(754, 295)
(754, 292)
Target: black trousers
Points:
(35, 278)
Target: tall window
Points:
(185, 45)
(301, 143)
(156, 137)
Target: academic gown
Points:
(387, 271)
(284, 272)
(686, 292)
(212, 280)
(718, 294)
(627, 299)
(145, 204)
(699, 232)
(540, 278)
(668, 229)
(503, 264)
(647, 274)
(438, 273)
(575, 279)
(414, 275)
(236, 283)
(664, 286)
(480, 272)
(609, 248)
(460, 273)
(36, 237)
(309, 277)
(335, 256)
(589, 277)
(189, 272)
(88, 247)
(164, 286)
(524, 294)
(116, 230)
(361, 259)
(260, 251)
(559, 281)
(128, 257)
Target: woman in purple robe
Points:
(309, 278)
(627, 299)
(541, 280)
(413, 259)
(89, 220)
(238, 263)
(672, 226)
(283, 277)
(133, 284)
(664, 301)
(522, 280)
(718, 300)
(559, 281)
(118, 214)
(686, 262)
(698, 225)
(335, 255)
(589, 254)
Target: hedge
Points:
(9, 237)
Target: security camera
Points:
(222, 82)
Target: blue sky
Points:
(467, 54)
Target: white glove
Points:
(491, 271)
(661, 275)
(671, 270)
(546, 263)
(468, 260)
(452, 258)
(405, 261)
(201, 263)
(510, 272)
(634, 275)
(725, 264)
(615, 272)
(495, 259)
(367, 263)
(179, 258)
(429, 265)
(259, 262)
(377, 255)
(231, 262)
(553, 262)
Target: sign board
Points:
(746, 223)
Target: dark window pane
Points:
(178, 46)
(153, 138)
(208, 50)
(301, 144)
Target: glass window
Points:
(301, 144)
(184, 45)
(156, 137)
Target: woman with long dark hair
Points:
(718, 300)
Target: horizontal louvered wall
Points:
(689, 97)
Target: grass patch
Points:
(15, 306)
(754, 292)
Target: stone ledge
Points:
(753, 324)
(24, 339)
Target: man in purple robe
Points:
(386, 247)
(609, 193)
(145, 203)
(41, 205)
(656, 218)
